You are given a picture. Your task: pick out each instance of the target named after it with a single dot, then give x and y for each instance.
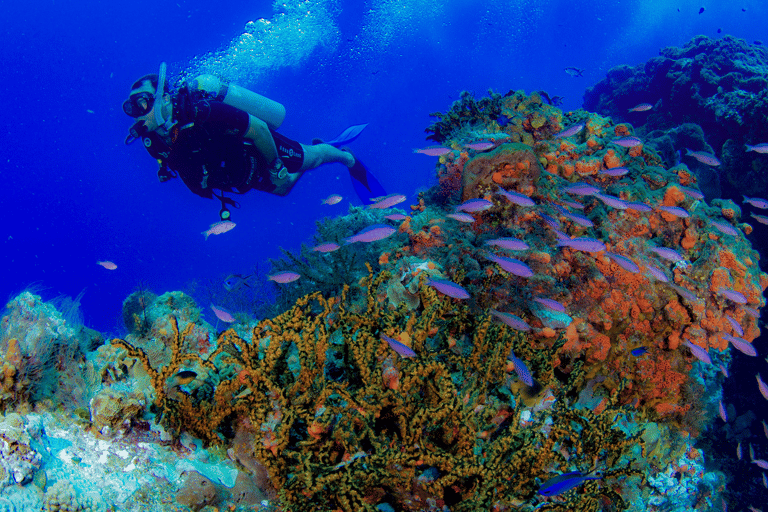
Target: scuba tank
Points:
(269, 111)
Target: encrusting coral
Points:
(335, 433)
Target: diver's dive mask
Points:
(139, 104)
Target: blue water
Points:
(73, 193)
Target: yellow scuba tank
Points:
(269, 111)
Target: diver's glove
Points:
(277, 170)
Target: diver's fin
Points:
(366, 185)
(347, 135)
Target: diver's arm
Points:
(258, 132)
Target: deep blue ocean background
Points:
(72, 193)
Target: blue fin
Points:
(347, 135)
(366, 185)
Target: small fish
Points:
(551, 221)
(724, 228)
(639, 351)
(762, 219)
(698, 352)
(224, 316)
(387, 202)
(516, 198)
(765, 481)
(181, 378)
(751, 311)
(448, 288)
(474, 206)
(638, 207)
(765, 428)
(627, 142)
(641, 107)
(668, 254)
(701, 10)
(480, 146)
(684, 292)
(563, 483)
(550, 304)
(612, 201)
(580, 189)
(751, 452)
(572, 204)
(758, 148)
(511, 320)
(372, 234)
(234, 281)
(761, 462)
(512, 244)
(579, 219)
(521, 369)
(704, 158)
(657, 273)
(762, 386)
(624, 262)
(733, 295)
(396, 216)
(721, 411)
(107, 265)
(284, 277)
(570, 131)
(461, 217)
(674, 210)
(582, 244)
(218, 228)
(402, 349)
(614, 171)
(756, 202)
(511, 265)
(691, 192)
(574, 72)
(331, 199)
(326, 247)
(740, 344)
(738, 451)
(735, 325)
(433, 151)
(724, 371)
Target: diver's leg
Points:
(319, 154)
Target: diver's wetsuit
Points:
(207, 149)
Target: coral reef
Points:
(719, 84)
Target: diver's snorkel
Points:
(166, 124)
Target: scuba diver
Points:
(221, 138)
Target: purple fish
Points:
(516, 198)
(474, 205)
(722, 413)
(396, 216)
(761, 463)
(402, 349)
(674, 210)
(762, 219)
(218, 228)
(751, 311)
(388, 201)
(284, 277)
(627, 142)
(511, 265)
(624, 262)
(733, 295)
(511, 320)
(657, 273)
(223, 315)
(691, 192)
(461, 217)
(572, 204)
(641, 107)
(612, 201)
(684, 292)
(740, 344)
(735, 325)
(513, 244)
(326, 247)
(756, 202)
(638, 207)
(704, 158)
(480, 146)
(521, 369)
(615, 171)
(372, 234)
(580, 189)
(448, 288)
(551, 221)
(725, 228)
(579, 219)
(582, 244)
(698, 352)
(550, 304)
(433, 151)
(570, 131)
(762, 387)
(668, 254)
(758, 148)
